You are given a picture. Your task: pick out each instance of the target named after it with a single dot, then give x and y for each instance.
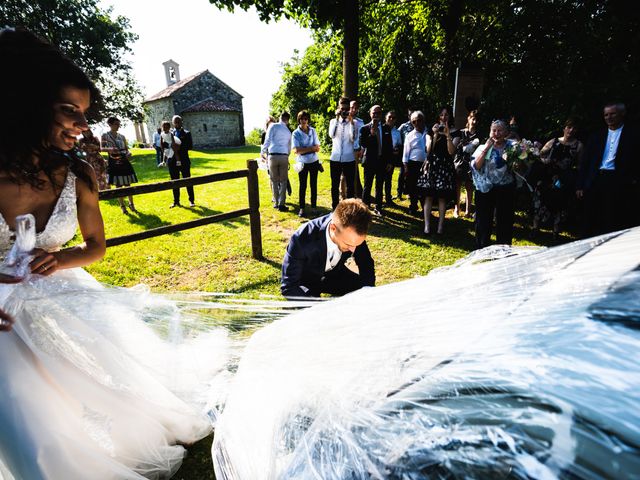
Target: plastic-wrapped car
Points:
(513, 363)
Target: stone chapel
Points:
(209, 108)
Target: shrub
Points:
(254, 136)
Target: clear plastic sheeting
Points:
(525, 366)
(103, 382)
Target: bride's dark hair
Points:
(34, 73)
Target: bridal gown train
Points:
(88, 390)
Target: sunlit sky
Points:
(238, 48)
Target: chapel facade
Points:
(209, 108)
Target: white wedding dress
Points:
(88, 388)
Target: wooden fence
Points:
(251, 173)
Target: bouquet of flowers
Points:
(519, 156)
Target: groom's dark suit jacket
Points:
(306, 257)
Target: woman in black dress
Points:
(466, 144)
(440, 174)
(119, 169)
(555, 186)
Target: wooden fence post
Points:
(254, 209)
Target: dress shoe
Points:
(283, 208)
(173, 205)
(390, 203)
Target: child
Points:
(169, 143)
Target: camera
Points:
(344, 113)
(441, 128)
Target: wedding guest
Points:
(90, 145)
(495, 188)
(342, 162)
(320, 253)
(414, 156)
(181, 163)
(157, 144)
(404, 129)
(609, 177)
(555, 188)
(377, 150)
(466, 143)
(278, 145)
(440, 181)
(514, 129)
(396, 157)
(120, 172)
(358, 124)
(306, 146)
(264, 155)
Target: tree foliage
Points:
(92, 37)
(543, 60)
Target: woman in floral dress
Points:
(440, 183)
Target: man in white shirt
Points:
(609, 177)
(343, 133)
(358, 123)
(277, 145)
(157, 144)
(414, 154)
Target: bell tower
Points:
(171, 72)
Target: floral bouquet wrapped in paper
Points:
(519, 156)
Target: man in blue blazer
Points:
(609, 176)
(319, 253)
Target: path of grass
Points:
(217, 257)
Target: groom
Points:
(320, 254)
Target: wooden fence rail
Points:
(251, 173)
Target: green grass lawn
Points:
(217, 257)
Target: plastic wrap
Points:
(510, 364)
(16, 262)
(103, 382)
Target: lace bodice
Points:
(60, 228)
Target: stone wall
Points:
(157, 111)
(214, 129)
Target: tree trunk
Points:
(350, 43)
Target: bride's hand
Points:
(43, 263)
(6, 321)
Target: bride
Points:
(88, 389)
